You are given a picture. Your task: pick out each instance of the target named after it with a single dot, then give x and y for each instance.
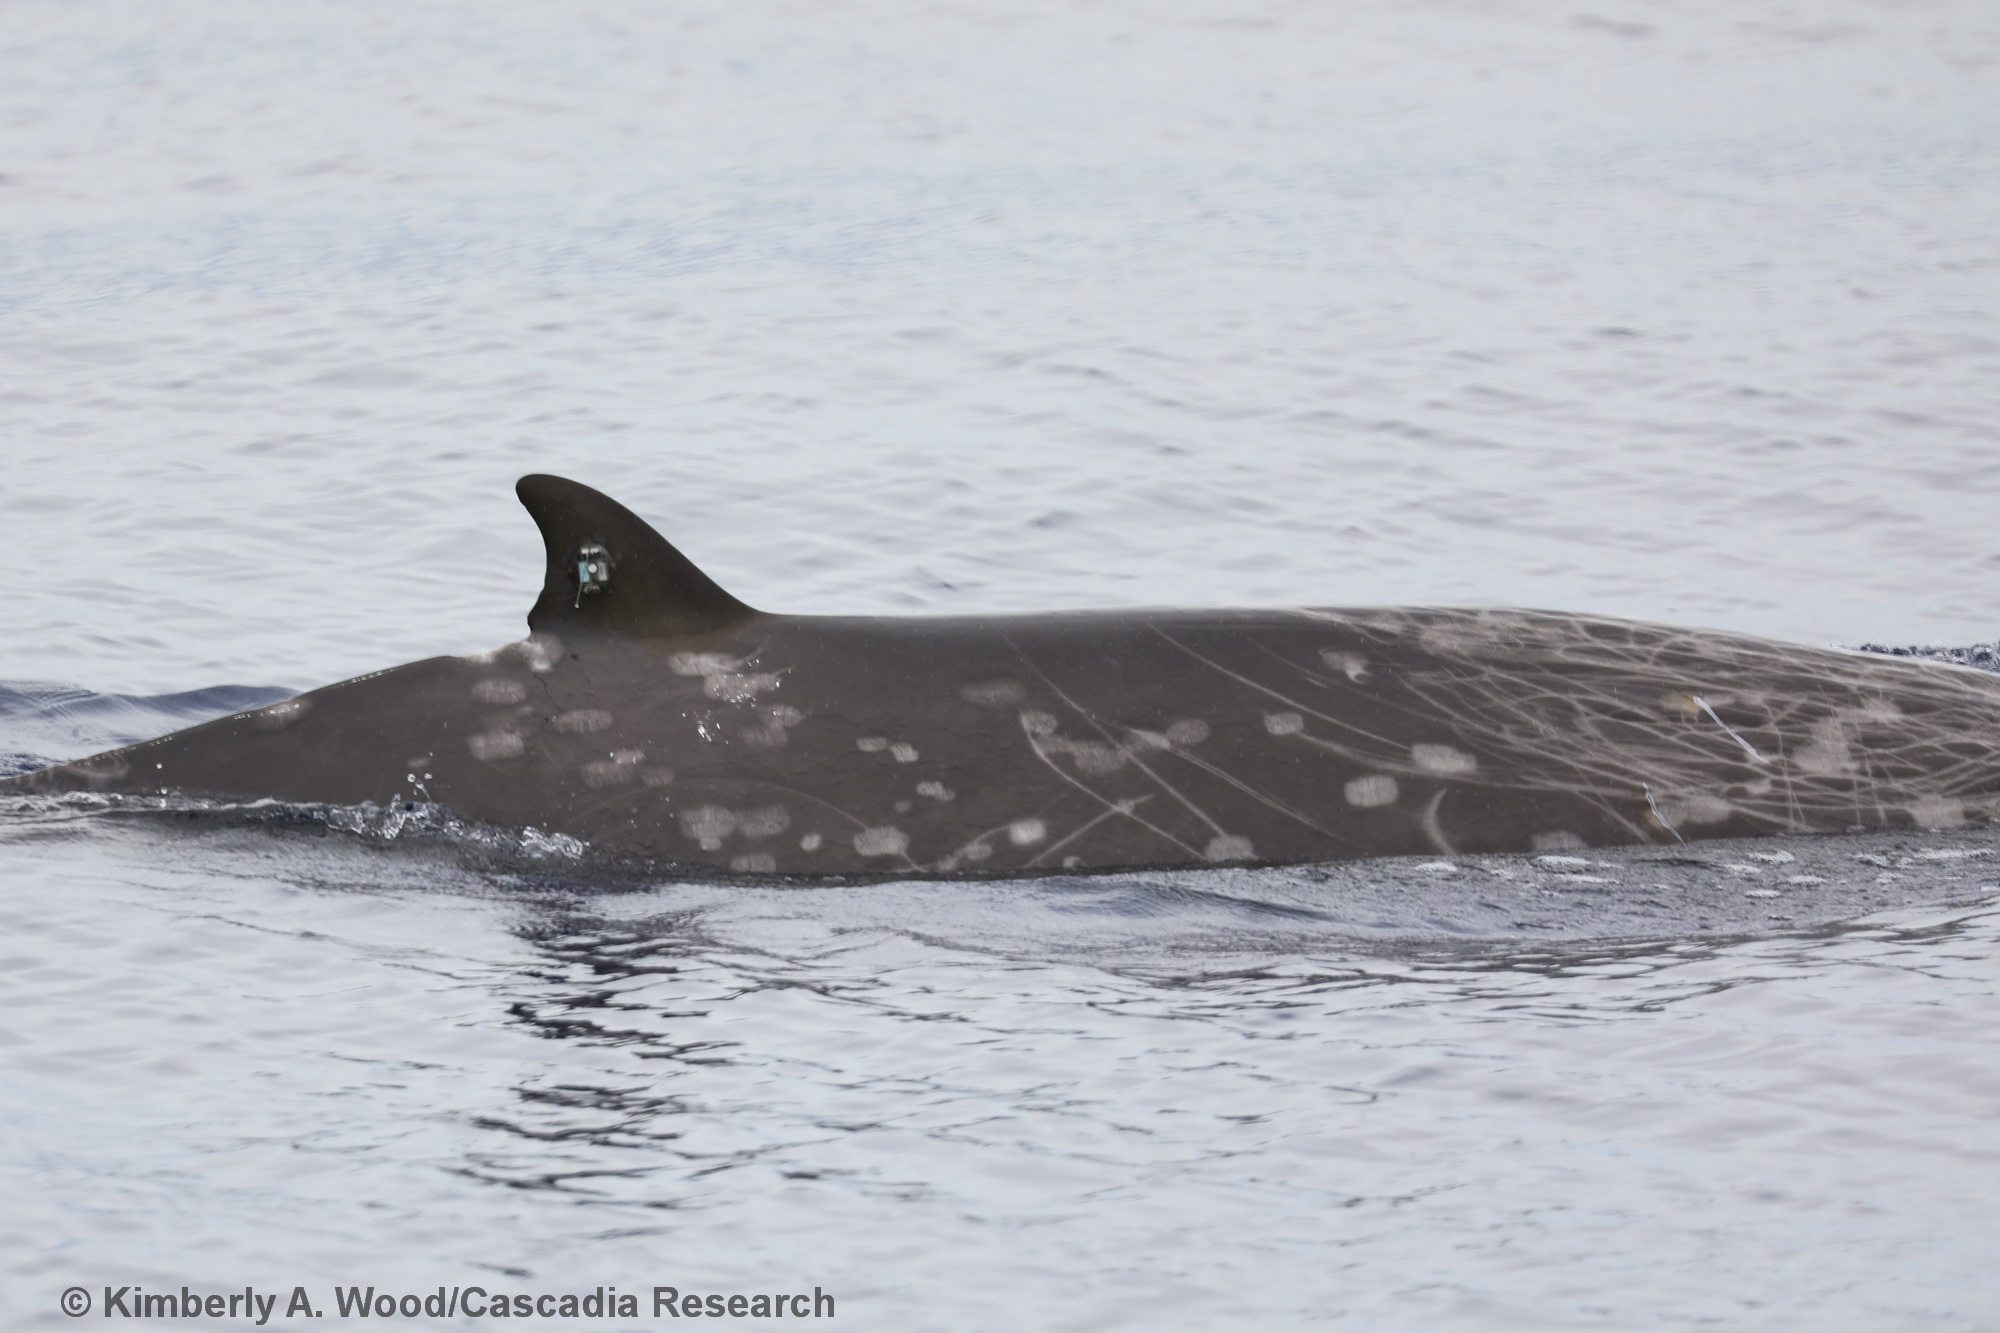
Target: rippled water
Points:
(1681, 313)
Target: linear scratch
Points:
(1124, 807)
(1657, 815)
(1748, 748)
(1035, 747)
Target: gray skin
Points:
(658, 719)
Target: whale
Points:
(654, 718)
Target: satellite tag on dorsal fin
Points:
(610, 573)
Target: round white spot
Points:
(885, 841)
(1373, 790)
(811, 842)
(1444, 759)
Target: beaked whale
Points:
(657, 719)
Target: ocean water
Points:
(1678, 311)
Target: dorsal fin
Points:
(610, 573)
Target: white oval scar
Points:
(1228, 847)
(495, 745)
(1026, 832)
(702, 664)
(499, 691)
(1694, 808)
(1373, 790)
(739, 688)
(621, 767)
(763, 822)
(1096, 757)
(885, 841)
(1284, 724)
(1351, 665)
(1936, 812)
(538, 652)
(708, 825)
(1444, 759)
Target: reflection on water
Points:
(357, 1064)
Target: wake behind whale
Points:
(653, 717)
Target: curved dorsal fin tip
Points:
(609, 572)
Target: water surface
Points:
(1676, 312)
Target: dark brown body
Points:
(720, 737)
